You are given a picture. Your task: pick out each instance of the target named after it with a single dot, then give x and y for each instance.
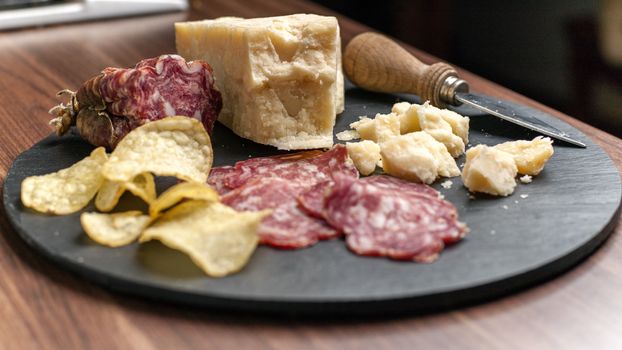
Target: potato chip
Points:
(68, 190)
(114, 230)
(142, 186)
(108, 195)
(184, 190)
(174, 146)
(217, 238)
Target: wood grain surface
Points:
(44, 307)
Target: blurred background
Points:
(564, 53)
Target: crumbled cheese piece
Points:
(280, 77)
(348, 135)
(365, 155)
(530, 156)
(505, 207)
(489, 170)
(432, 120)
(523, 196)
(417, 157)
(446, 184)
(401, 108)
(382, 128)
(525, 179)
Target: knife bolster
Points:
(433, 79)
(450, 87)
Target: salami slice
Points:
(217, 177)
(379, 220)
(306, 168)
(312, 200)
(288, 227)
(386, 182)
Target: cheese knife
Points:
(374, 62)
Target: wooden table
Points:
(42, 306)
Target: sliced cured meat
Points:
(379, 220)
(312, 200)
(306, 168)
(288, 227)
(217, 177)
(392, 183)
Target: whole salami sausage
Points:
(108, 106)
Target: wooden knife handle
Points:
(377, 63)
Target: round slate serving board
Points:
(542, 229)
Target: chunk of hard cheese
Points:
(489, 170)
(365, 155)
(280, 77)
(380, 129)
(417, 157)
(445, 126)
(530, 156)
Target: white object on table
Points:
(84, 10)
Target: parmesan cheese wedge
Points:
(280, 77)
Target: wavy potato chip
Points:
(114, 230)
(142, 186)
(68, 190)
(184, 190)
(174, 146)
(217, 238)
(108, 195)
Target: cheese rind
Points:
(530, 156)
(280, 77)
(489, 170)
(417, 157)
(365, 155)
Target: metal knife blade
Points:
(512, 113)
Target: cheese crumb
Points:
(505, 207)
(348, 135)
(447, 184)
(523, 196)
(525, 179)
